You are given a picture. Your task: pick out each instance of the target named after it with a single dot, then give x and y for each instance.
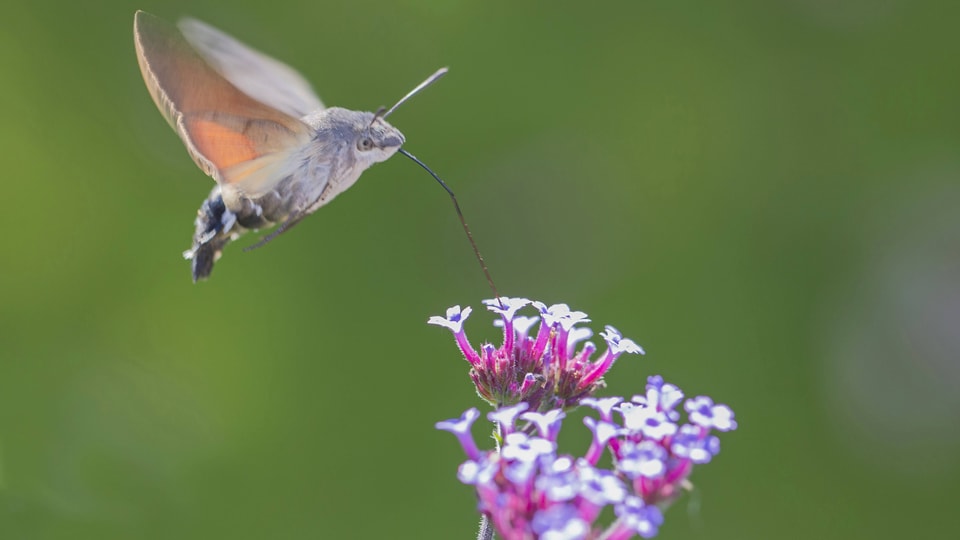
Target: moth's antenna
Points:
(453, 198)
(430, 80)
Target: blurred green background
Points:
(763, 194)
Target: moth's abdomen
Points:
(217, 224)
(215, 227)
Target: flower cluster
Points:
(543, 369)
(530, 491)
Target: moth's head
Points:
(377, 140)
(358, 137)
(370, 138)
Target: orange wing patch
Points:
(220, 143)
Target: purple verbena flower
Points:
(661, 396)
(506, 307)
(543, 368)
(560, 522)
(473, 472)
(694, 443)
(461, 428)
(521, 324)
(454, 319)
(636, 516)
(638, 462)
(647, 459)
(454, 322)
(649, 421)
(600, 487)
(603, 431)
(548, 423)
(705, 414)
(604, 406)
(531, 491)
(616, 345)
(506, 417)
(558, 480)
(520, 447)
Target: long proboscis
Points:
(466, 228)
(429, 80)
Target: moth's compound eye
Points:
(364, 144)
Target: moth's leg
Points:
(284, 227)
(296, 215)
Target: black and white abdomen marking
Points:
(216, 225)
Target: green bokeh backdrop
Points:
(762, 193)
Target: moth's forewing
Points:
(222, 127)
(261, 77)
